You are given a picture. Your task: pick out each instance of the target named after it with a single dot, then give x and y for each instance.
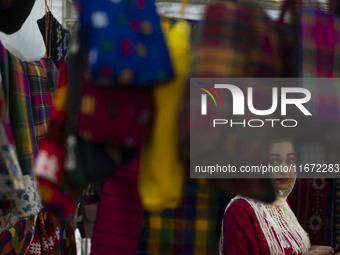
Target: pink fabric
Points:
(120, 214)
(242, 233)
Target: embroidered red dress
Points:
(243, 232)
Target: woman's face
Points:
(282, 154)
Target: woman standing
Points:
(253, 227)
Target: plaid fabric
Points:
(17, 239)
(336, 213)
(21, 116)
(40, 77)
(188, 229)
(120, 213)
(236, 40)
(319, 56)
(319, 44)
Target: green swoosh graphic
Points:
(209, 95)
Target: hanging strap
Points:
(48, 29)
(184, 4)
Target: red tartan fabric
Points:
(119, 215)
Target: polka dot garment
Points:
(125, 43)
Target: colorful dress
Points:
(251, 227)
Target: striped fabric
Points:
(186, 230)
(21, 116)
(40, 79)
(17, 239)
(236, 39)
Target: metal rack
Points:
(267, 4)
(69, 15)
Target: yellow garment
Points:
(161, 176)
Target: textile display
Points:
(161, 177)
(120, 214)
(101, 109)
(125, 42)
(21, 116)
(187, 229)
(236, 39)
(28, 201)
(309, 198)
(40, 81)
(13, 15)
(5, 113)
(50, 160)
(319, 56)
(49, 237)
(17, 239)
(319, 52)
(57, 38)
(8, 221)
(336, 213)
(11, 179)
(309, 202)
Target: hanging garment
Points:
(21, 116)
(56, 38)
(120, 214)
(8, 221)
(17, 239)
(309, 208)
(117, 116)
(40, 81)
(20, 124)
(319, 52)
(161, 177)
(50, 237)
(186, 230)
(124, 42)
(235, 39)
(252, 227)
(50, 161)
(13, 14)
(11, 178)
